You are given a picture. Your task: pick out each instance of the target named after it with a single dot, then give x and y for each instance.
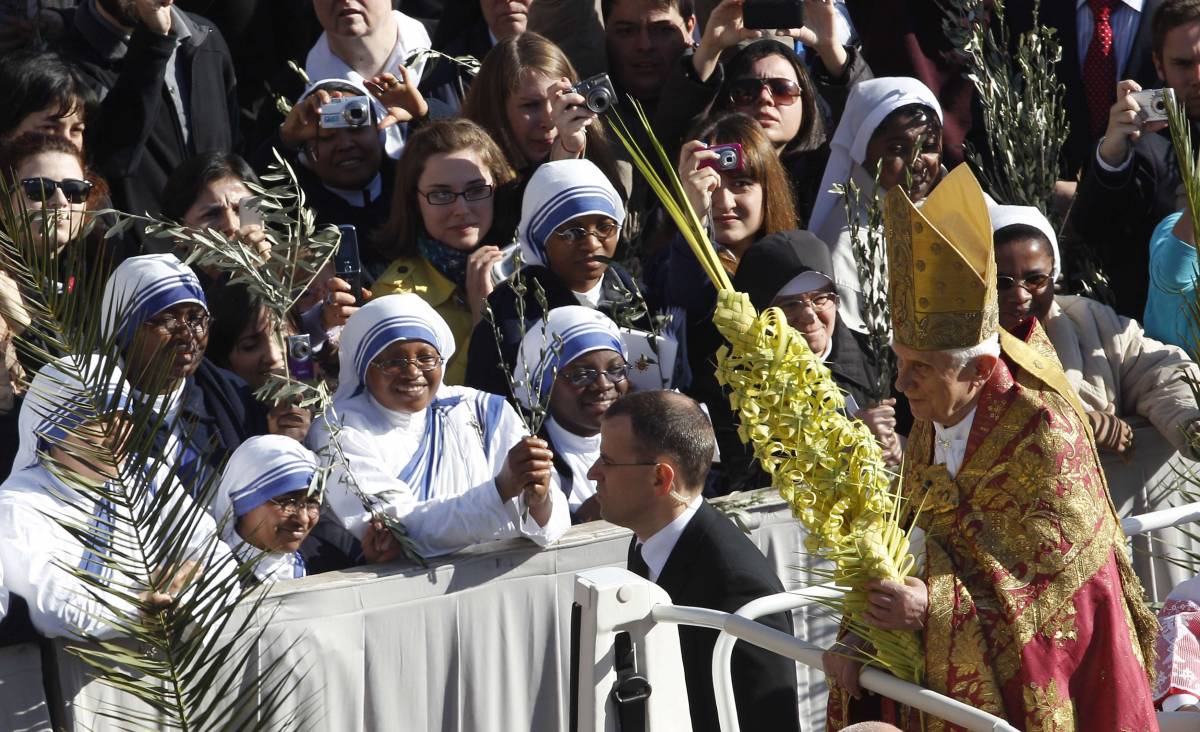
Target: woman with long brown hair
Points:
(741, 207)
(522, 96)
(444, 231)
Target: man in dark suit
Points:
(1133, 178)
(655, 450)
(1120, 51)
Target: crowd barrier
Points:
(479, 640)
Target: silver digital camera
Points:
(597, 92)
(1152, 104)
(351, 112)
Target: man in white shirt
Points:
(656, 448)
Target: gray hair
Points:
(960, 357)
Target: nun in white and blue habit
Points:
(558, 193)
(435, 469)
(35, 549)
(263, 469)
(569, 333)
(212, 407)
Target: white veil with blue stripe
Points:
(558, 192)
(573, 330)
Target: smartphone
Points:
(300, 358)
(346, 264)
(773, 14)
(729, 158)
(507, 266)
(250, 211)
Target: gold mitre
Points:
(942, 273)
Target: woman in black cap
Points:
(790, 271)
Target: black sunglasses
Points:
(745, 91)
(42, 189)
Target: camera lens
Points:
(299, 350)
(599, 100)
(356, 115)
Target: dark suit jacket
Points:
(1115, 214)
(1081, 144)
(714, 565)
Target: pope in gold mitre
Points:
(1026, 601)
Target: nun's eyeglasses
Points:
(197, 323)
(604, 232)
(819, 303)
(1030, 283)
(290, 505)
(582, 378)
(398, 366)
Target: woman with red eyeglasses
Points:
(768, 82)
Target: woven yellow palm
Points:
(827, 466)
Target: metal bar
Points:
(872, 679)
(1155, 520)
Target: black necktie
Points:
(637, 565)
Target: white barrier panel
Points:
(22, 701)
(478, 641)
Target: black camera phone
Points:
(346, 264)
(773, 14)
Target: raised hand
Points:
(400, 96)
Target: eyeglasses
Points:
(606, 463)
(1030, 282)
(442, 197)
(42, 189)
(582, 378)
(746, 91)
(604, 232)
(398, 366)
(197, 323)
(819, 302)
(292, 505)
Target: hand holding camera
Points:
(401, 97)
(571, 117)
(1135, 113)
(698, 173)
(304, 121)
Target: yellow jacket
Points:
(416, 274)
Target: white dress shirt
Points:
(448, 508)
(657, 549)
(950, 443)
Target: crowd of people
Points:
(513, 262)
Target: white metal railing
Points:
(755, 633)
(1163, 519)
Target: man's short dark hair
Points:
(686, 8)
(666, 423)
(1169, 16)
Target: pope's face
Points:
(938, 390)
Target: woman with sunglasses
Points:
(768, 82)
(452, 464)
(446, 230)
(578, 356)
(890, 135)
(1115, 368)
(571, 217)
